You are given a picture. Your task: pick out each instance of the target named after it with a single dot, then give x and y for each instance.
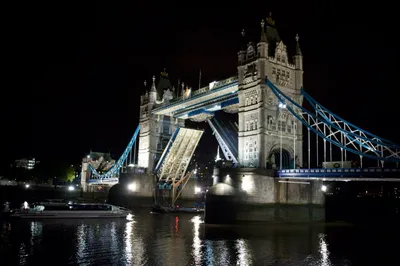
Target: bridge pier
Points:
(254, 195)
(138, 190)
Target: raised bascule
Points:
(265, 146)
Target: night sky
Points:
(74, 72)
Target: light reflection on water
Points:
(180, 240)
(196, 246)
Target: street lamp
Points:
(71, 188)
(132, 187)
(324, 188)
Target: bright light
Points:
(27, 185)
(211, 85)
(324, 188)
(71, 188)
(26, 205)
(88, 156)
(247, 183)
(131, 165)
(282, 105)
(197, 190)
(132, 187)
(129, 217)
(216, 107)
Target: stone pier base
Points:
(138, 190)
(251, 195)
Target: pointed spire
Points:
(164, 73)
(270, 21)
(153, 86)
(243, 43)
(183, 88)
(145, 83)
(298, 51)
(217, 158)
(263, 37)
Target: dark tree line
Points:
(43, 172)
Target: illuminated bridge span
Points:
(268, 95)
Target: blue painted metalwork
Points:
(104, 181)
(230, 102)
(115, 168)
(314, 104)
(200, 111)
(229, 135)
(234, 83)
(182, 111)
(339, 172)
(283, 99)
(166, 150)
(226, 148)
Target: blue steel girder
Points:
(345, 125)
(115, 168)
(206, 105)
(103, 181)
(220, 88)
(335, 134)
(223, 145)
(341, 174)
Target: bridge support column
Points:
(247, 195)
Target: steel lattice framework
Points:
(337, 131)
(116, 167)
(178, 156)
(223, 145)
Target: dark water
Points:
(183, 240)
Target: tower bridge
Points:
(267, 95)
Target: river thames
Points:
(170, 239)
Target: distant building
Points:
(28, 164)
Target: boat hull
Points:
(68, 215)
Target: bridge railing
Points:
(206, 89)
(338, 172)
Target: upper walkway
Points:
(218, 95)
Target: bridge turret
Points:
(262, 46)
(298, 61)
(153, 91)
(261, 119)
(242, 51)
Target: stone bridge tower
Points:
(269, 136)
(155, 130)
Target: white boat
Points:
(52, 210)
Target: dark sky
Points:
(74, 72)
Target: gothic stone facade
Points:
(265, 129)
(155, 130)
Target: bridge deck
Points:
(214, 99)
(177, 157)
(342, 174)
